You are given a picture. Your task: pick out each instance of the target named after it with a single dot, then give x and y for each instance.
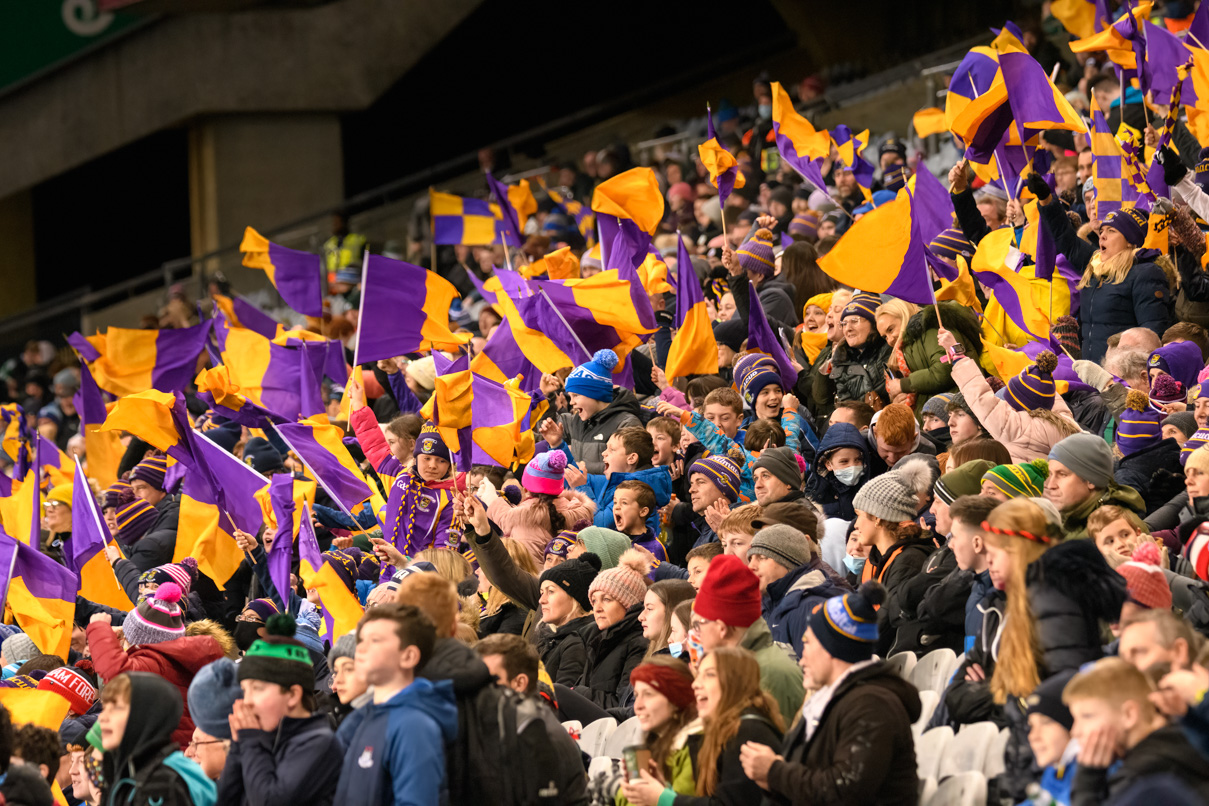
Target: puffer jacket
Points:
(821, 485)
(563, 652)
(895, 569)
(855, 372)
(612, 653)
(934, 606)
(966, 701)
(586, 438)
(1026, 437)
(1142, 299)
(1155, 472)
(789, 601)
(929, 375)
(529, 522)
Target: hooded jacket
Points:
(601, 489)
(394, 750)
(789, 600)
(147, 769)
(1074, 523)
(822, 487)
(1154, 472)
(611, 654)
(968, 701)
(177, 661)
(930, 375)
(1026, 437)
(1142, 299)
(529, 523)
(586, 438)
(1166, 750)
(283, 767)
(158, 544)
(934, 606)
(861, 751)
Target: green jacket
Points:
(1074, 523)
(929, 375)
(681, 763)
(779, 674)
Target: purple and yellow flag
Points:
(465, 220)
(694, 350)
(996, 265)
(320, 447)
(158, 418)
(488, 422)
(633, 195)
(41, 593)
(722, 166)
(296, 275)
(585, 222)
(404, 309)
(85, 552)
(125, 361)
(241, 313)
(929, 121)
(561, 264)
(103, 449)
(270, 373)
(502, 359)
(1117, 38)
(1081, 18)
(514, 217)
(761, 339)
(281, 553)
(531, 346)
(340, 608)
(798, 142)
(850, 148)
(35, 706)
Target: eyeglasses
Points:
(195, 744)
(697, 624)
(53, 504)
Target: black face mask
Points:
(246, 633)
(940, 436)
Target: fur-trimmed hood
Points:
(1077, 568)
(958, 320)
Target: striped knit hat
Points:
(1025, 480)
(806, 223)
(936, 406)
(863, 305)
(151, 470)
(263, 608)
(134, 519)
(1140, 425)
(754, 371)
(1198, 440)
(116, 495)
(950, 244)
(846, 626)
(156, 619)
(895, 177)
(721, 471)
(1033, 388)
(183, 574)
(755, 254)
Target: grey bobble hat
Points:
(18, 648)
(344, 647)
(1087, 456)
(782, 543)
(888, 498)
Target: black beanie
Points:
(574, 576)
(278, 657)
(732, 333)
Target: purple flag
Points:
(511, 233)
(726, 179)
(309, 554)
(281, 553)
(760, 337)
(89, 533)
(88, 400)
(234, 483)
(297, 277)
(404, 308)
(688, 288)
(622, 241)
(505, 353)
(253, 318)
(335, 472)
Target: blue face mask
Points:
(764, 111)
(854, 564)
(675, 648)
(848, 476)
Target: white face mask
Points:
(849, 476)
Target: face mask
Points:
(675, 648)
(764, 110)
(849, 476)
(854, 564)
(695, 650)
(940, 435)
(246, 633)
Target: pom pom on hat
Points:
(282, 624)
(1033, 389)
(1166, 389)
(1146, 553)
(544, 473)
(168, 592)
(1140, 426)
(846, 626)
(594, 379)
(756, 253)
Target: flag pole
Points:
(432, 232)
(566, 324)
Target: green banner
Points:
(42, 33)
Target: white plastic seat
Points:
(968, 753)
(573, 726)
(927, 788)
(930, 748)
(966, 789)
(995, 766)
(928, 700)
(933, 670)
(901, 663)
(627, 733)
(592, 739)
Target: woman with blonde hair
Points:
(1058, 593)
(734, 710)
(501, 613)
(917, 358)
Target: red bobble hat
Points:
(729, 593)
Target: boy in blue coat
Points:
(627, 457)
(394, 746)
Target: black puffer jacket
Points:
(855, 372)
(1155, 472)
(895, 569)
(586, 438)
(934, 606)
(564, 652)
(611, 655)
(966, 701)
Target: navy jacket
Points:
(394, 752)
(290, 765)
(821, 486)
(789, 601)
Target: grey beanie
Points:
(1087, 456)
(888, 498)
(782, 543)
(344, 647)
(19, 648)
(1183, 420)
(212, 696)
(783, 464)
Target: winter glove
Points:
(1037, 186)
(1173, 167)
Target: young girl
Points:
(666, 709)
(547, 508)
(681, 622)
(656, 616)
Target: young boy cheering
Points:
(394, 747)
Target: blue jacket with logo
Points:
(602, 488)
(394, 752)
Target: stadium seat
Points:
(928, 701)
(592, 739)
(901, 663)
(967, 789)
(627, 733)
(930, 749)
(995, 766)
(933, 671)
(968, 752)
(927, 788)
(573, 726)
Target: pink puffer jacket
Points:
(529, 522)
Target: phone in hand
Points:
(637, 758)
